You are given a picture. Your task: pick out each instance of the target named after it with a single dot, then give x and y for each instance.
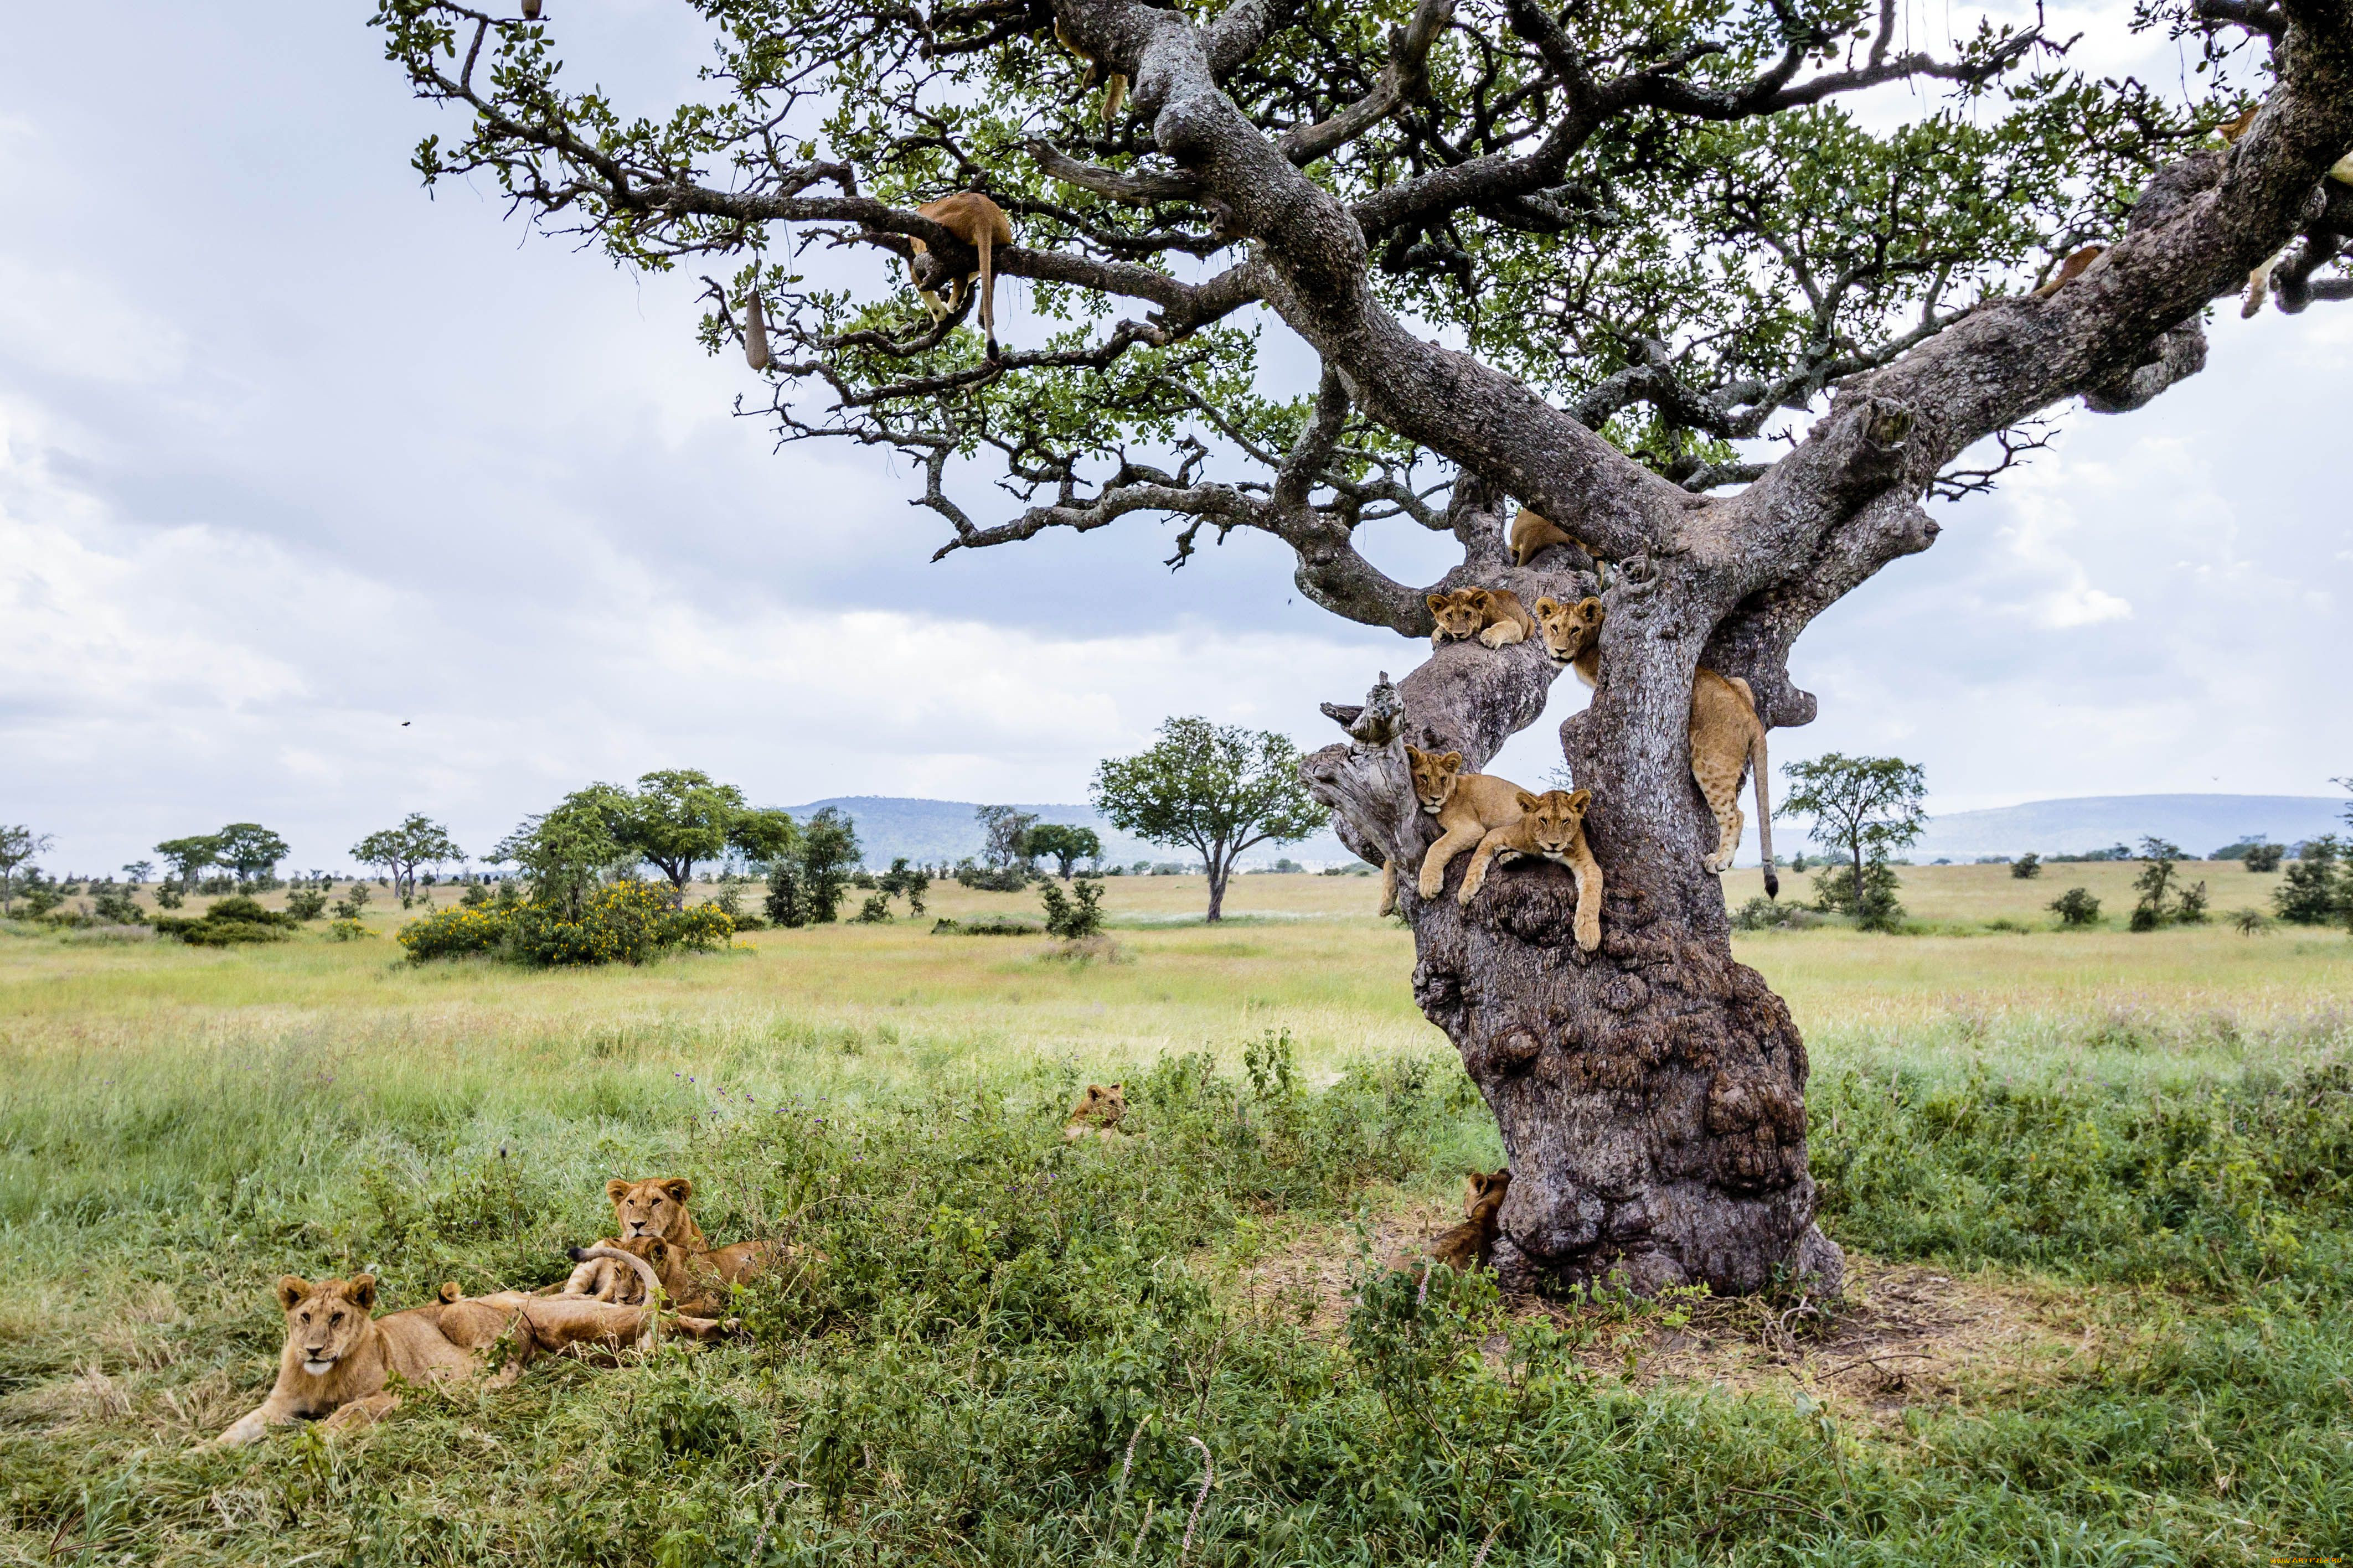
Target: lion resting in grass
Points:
(339, 1358)
(655, 1209)
(1471, 1243)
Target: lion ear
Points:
(1437, 602)
(1579, 799)
(1548, 606)
(1451, 761)
(1592, 609)
(616, 1190)
(291, 1288)
(1528, 801)
(679, 1187)
(360, 1290)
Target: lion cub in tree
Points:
(1493, 615)
(1468, 806)
(1098, 1111)
(1551, 828)
(1726, 737)
(1472, 1243)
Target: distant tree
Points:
(2265, 857)
(399, 851)
(1067, 845)
(18, 845)
(2077, 907)
(188, 857)
(567, 853)
(806, 887)
(138, 871)
(2026, 868)
(250, 850)
(1218, 789)
(2314, 890)
(679, 817)
(1077, 914)
(1005, 832)
(1869, 806)
(912, 880)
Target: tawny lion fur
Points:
(1493, 615)
(1727, 739)
(1472, 1243)
(1468, 807)
(1098, 1112)
(1551, 827)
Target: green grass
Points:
(2156, 1131)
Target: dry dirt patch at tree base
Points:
(1907, 1335)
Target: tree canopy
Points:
(400, 851)
(250, 849)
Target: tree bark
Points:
(1218, 870)
(1651, 1094)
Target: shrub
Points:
(2026, 868)
(168, 895)
(1075, 915)
(2077, 907)
(306, 903)
(875, 910)
(2312, 891)
(987, 925)
(627, 923)
(117, 907)
(2264, 856)
(228, 923)
(1876, 909)
(2251, 923)
(349, 929)
(991, 880)
(348, 908)
(457, 933)
(1761, 913)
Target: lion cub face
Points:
(653, 1207)
(1100, 1106)
(1555, 821)
(324, 1320)
(1434, 775)
(1569, 629)
(1483, 1194)
(1461, 614)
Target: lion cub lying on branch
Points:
(1493, 615)
(1499, 817)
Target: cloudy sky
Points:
(291, 453)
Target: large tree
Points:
(400, 851)
(679, 816)
(250, 850)
(1579, 257)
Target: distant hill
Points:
(2199, 823)
(937, 830)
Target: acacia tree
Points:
(18, 846)
(1216, 789)
(399, 851)
(1571, 257)
(250, 849)
(1066, 844)
(1869, 806)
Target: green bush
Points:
(1761, 913)
(306, 903)
(875, 910)
(227, 923)
(349, 929)
(2313, 890)
(1077, 914)
(457, 933)
(1875, 909)
(2077, 907)
(628, 922)
(116, 905)
(2026, 867)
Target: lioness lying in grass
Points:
(339, 1357)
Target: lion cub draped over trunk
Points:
(1482, 811)
(1726, 737)
(1551, 828)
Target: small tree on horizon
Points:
(1868, 805)
(1005, 837)
(1066, 844)
(250, 850)
(18, 845)
(1218, 789)
(399, 851)
(189, 855)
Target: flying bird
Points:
(404, 723)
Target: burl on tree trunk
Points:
(1651, 1094)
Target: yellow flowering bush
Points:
(627, 923)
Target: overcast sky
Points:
(291, 453)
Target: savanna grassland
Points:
(2098, 1186)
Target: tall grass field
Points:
(2097, 1188)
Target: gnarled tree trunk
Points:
(1651, 1094)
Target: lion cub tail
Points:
(1763, 807)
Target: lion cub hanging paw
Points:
(1098, 1112)
(1468, 806)
(1551, 828)
(1493, 615)
(1472, 1243)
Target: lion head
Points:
(1553, 820)
(655, 1206)
(1482, 1193)
(1434, 775)
(324, 1320)
(1569, 629)
(1461, 615)
(1101, 1106)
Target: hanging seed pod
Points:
(531, 10)
(755, 334)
